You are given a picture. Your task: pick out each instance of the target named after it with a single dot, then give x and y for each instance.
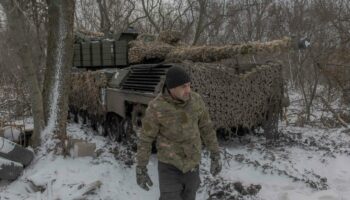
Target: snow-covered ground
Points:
(306, 163)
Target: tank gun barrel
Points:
(216, 53)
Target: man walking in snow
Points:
(179, 120)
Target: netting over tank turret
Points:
(238, 99)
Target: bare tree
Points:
(105, 23)
(59, 60)
(149, 8)
(22, 44)
(87, 15)
(106, 15)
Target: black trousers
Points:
(175, 185)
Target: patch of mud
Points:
(310, 178)
(278, 159)
(126, 153)
(221, 189)
(329, 143)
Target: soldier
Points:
(179, 121)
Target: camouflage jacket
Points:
(179, 128)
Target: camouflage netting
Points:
(238, 100)
(169, 37)
(167, 48)
(238, 96)
(83, 35)
(216, 53)
(149, 49)
(145, 52)
(85, 93)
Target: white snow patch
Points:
(12, 133)
(6, 145)
(116, 75)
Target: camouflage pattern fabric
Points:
(238, 97)
(178, 127)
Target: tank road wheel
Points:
(113, 127)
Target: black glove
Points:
(215, 165)
(142, 178)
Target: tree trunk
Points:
(50, 58)
(105, 23)
(148, 13)
(35, 93)
(201, 19)
(59, 60)
(18, 26)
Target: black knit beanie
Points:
(176, 76)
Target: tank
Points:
(240, 97)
